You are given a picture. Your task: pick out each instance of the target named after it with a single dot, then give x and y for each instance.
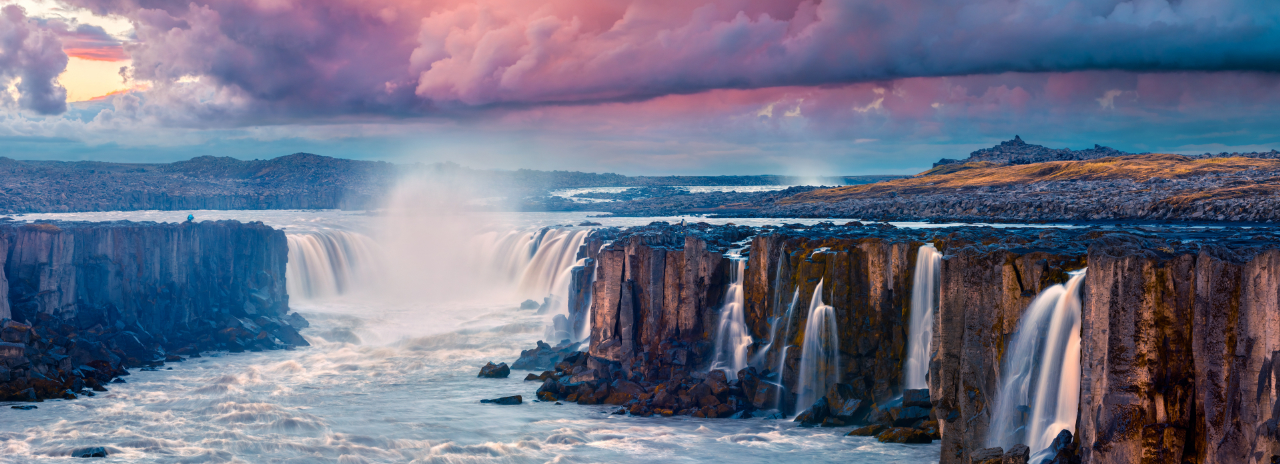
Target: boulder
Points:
(918, 398)
(495, 371)
(908, 416)
(904, 435)
(987, 456)
(1063, 450)
(1017, 454)
(815, 415)
(89, 452)
(506, 400)
(529, 304)
(868, 431)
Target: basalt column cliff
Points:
(84, 300)
(1174, 336)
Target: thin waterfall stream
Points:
(820, 353)
(732, 338)
(1040, 391)
(924, 302)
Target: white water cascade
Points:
(782, 354)
(1040, 393)
(732, 338)
(534, 263)
(329, 263)
(924, 302)
(820, 353)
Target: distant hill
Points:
(298, 181)
(1013, 152)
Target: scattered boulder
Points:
(24, 407)
(904, 435)
(868, 431)
(987, 456)
(1017, 454)
(529, 304)
(495, 371)
(917, 398)
(1064, 450)
(90, 452)
(815, 414)
(506, 400)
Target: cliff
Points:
(1179, 330)
(84, 300)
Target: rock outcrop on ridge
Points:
(1179, 333)
(83, 301)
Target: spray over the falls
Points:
(924, 302)
(1040, 392)
(732, 338)
(820, 353)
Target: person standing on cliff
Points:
(191, 218)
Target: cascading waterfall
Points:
(732, 338)
(924, 302)
(820, 353)
(1040, 394)
(782, 354)
(329, 263)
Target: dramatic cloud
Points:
(31, 58)
(88, 42)
(291, 57)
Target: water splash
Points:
(1040, 394)
(820, 353)
(732, 338)
(924, 302)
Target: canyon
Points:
(1177, 331)
(84, 301)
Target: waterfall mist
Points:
(1040, 392)
(924, 303)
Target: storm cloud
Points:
(31, 58)
(290, 57)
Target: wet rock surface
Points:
(86, 301)
(495, 371)
(1177, 341)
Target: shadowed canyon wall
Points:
(1180, 327)
(84, 300)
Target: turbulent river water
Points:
(391, 377)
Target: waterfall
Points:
(1040, 393)
(732, 337)
(924, 301)
(328, 263)
(820, 353)
(782, 354)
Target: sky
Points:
(641, 87)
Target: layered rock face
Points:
(1179, 333)
(84, 300)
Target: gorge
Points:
(1160, 351)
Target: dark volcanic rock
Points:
(90, 452)
(94, 299)
(905, 435)
(506, 400)
(495, 371)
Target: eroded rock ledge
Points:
(83, 301)
(1180, 329)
